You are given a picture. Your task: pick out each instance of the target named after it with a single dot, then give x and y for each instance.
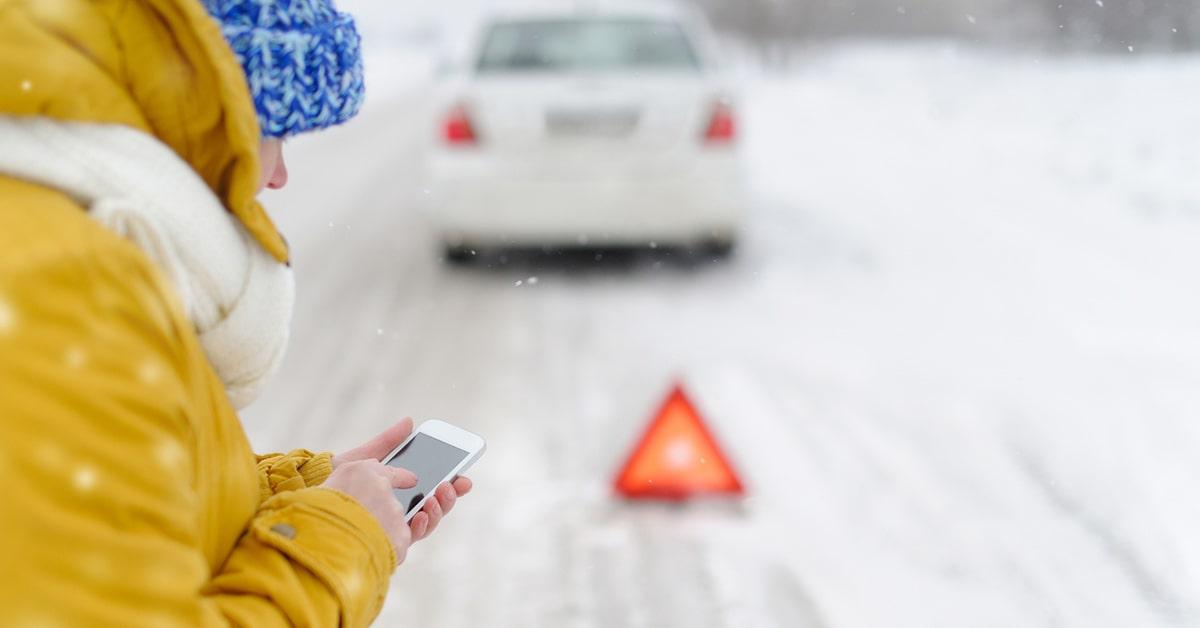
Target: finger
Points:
(419, 526)
(433, 508)
(462, 485)
(381, 445)
(446, 496)
(402, 532)
(401, 544)
(400, 478)
(386, 441)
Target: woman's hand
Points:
(370, 482)
(424, 522)
(378, 447)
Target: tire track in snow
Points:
(1155, 594)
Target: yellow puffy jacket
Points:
(130, 495)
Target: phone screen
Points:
(431, 459)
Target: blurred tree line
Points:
(1092, 25)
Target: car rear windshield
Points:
(587, 45)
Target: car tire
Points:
(719, 248)
(457, 254)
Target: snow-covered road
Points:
(957, 361)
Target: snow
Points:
(956, 359)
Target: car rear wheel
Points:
(457, 254)
(719, 247)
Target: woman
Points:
(143, 293)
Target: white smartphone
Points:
(437, 452)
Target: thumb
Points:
(381, 445)
(401, 478)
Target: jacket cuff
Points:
(333, 536)
(317, 469)
(297, 469)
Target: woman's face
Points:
(270, 157)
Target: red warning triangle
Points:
(677, 457)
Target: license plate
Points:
(591, 123)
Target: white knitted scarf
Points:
(238, 297)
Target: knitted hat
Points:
(301, 59)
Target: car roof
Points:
(465, 47)
(567, 9)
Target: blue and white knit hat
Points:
(301, 58)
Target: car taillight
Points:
(722, 128)
(457, 129)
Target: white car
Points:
(600, 126)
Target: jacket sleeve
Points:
(312, 557)
(292, 471)
(103, 516)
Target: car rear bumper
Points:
(471, 204)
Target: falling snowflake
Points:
(75, 357)
(150, 372)
(84, 478)
(169, 453)
(8, 317)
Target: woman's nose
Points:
(279, 177)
